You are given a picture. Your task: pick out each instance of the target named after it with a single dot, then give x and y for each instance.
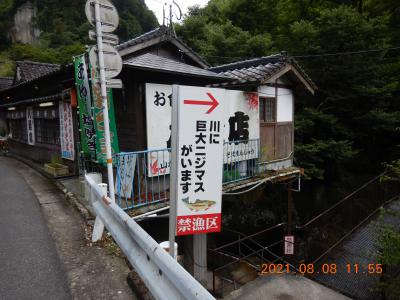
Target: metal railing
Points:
(163, 276)
(241, 160)
(142, 177)
(250, 250)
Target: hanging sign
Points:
(99, 119)
(197, 147)
(88, 133)
(66, 131)
(30, 125)
(289, 245)
(126, 163)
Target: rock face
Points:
(25, 30)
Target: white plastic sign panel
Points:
(30, 125)
(158, 118)
(108, 15)
(66, 131)
(197, 159)
(241, 122)
(289, 245)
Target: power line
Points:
(314, 55)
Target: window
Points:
(18, 129)
(267, 109)
(47, 131)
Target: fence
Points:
(163, 276)
(237, 262)
(241, 160)
(151, 169)
(325, 231)
(142, 177)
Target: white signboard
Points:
(197, 159)
(289, 245)
(66, 131)
(158, 112)
(240, 122)
(125, 173)
(30, 125)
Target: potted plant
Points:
(56, 166)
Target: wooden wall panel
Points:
(284, 143)
(267, 141)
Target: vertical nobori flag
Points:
(88, 134)
(99, 119)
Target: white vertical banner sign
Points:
(125, 172)
(197, 149)
(66, 131)
(30, 125)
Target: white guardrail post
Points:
(163, 276)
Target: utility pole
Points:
(110, 173)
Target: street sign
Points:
(114, 83)
(108, 15)
(108, 38)
(112, 60)
(197, 148)
(289, 245)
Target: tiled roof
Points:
(5, 82)
(150, 61)
(30, 70)
(160, 31)
(259, 69)
(163, 31)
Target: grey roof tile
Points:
(5, 82)
(30, 70)
(259, 69)
(153, 62)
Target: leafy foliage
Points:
(64, 28)
(355, 117)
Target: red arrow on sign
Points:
(213, 103)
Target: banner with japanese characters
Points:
(86, 124)
(30, 125)
(241, 127)
(158, 112)
(197, 159)
(99, 120)
(126, 164)
(66, 131)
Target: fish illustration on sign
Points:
(198, 205)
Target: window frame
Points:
(263, 109)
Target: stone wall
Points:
(24, 29)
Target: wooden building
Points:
(156, 60)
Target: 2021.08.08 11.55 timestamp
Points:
(328, 269)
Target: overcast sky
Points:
(157, 6)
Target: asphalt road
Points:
(30, 267)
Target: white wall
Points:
(284, 102)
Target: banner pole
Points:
(104, 100)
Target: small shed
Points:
(276, 79)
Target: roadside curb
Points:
(69, 196)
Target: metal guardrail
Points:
(142, 177)
(163, 276)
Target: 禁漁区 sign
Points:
(197, 149)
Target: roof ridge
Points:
(250, 62)
(37, 63)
